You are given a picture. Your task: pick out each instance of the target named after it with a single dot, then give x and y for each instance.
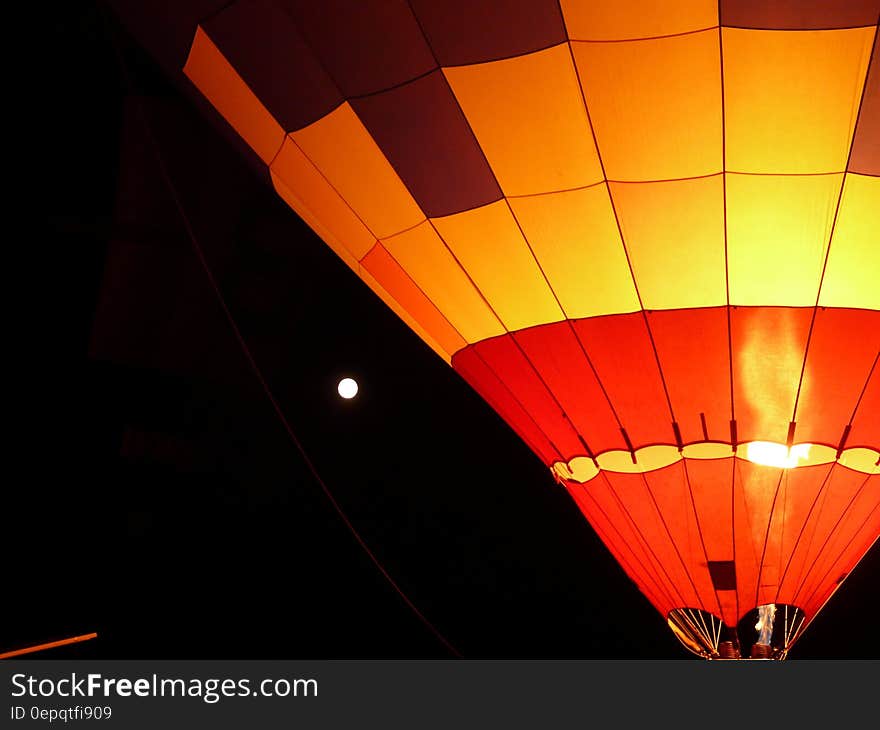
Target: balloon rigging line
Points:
(257, 371)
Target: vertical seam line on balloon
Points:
(378, 242)
(727, 295)
(724, 209)
(836, 560)
(565, 315)
(671, 539)
(859, 560)
(455, 258)
(649, 562)
(640, 534)
(519, 402)
(830, 536)
(864, 388)
(511, 335)
(332, 187)
(501, 191)
(455, 98)
(648, 571)
(317, 57)
(786, 503)
(733, 469)
(852, 143)
(782, 475)
(516, 344)
(200, 27)
(797, 541)
(620, 230)
(805, 564)
(257, 371)
(748, 523)
(420, 290)
(693, 501)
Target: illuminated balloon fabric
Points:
(642, 233)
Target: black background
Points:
(151, 491)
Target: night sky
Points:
(153, 493)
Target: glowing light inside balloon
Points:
(769, 453)
(347, 388)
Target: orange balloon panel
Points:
(655, 105)
(648, 234)
(789, 536)
(427, 259)
(791, 99)
(529, 119)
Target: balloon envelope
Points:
(648, 234)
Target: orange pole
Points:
(50, 645)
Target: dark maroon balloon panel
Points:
(365, 46)
(475, 31)
(865, 155)
(264, 45)
(424, 134)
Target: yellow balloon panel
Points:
(436, 272)
(306, 190)
(655, 105)
(346, 154)
(529, 118)
(791, 98)
(576, 241)
(778, 229)
(393, 279)
(674, 233)
(220, 83)
(489, 245)
(402, 312)
(613, 20)
(852, 276)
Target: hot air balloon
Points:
(648, 234)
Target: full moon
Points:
(347, 388)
